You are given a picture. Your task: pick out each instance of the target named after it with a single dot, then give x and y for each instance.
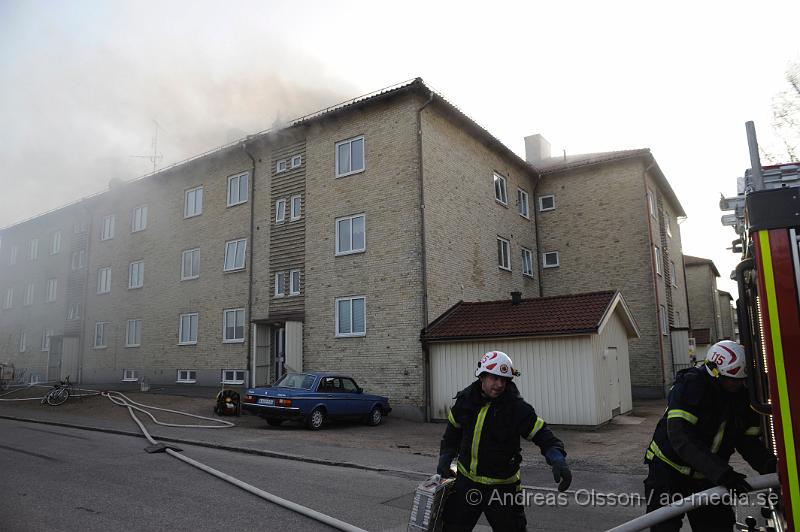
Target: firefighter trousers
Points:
(502, 504)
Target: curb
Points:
(222, 447)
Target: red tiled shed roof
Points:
(559, 315)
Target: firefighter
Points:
(708, 417)
(483, 430)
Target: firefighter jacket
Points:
(703, 425)
(486, 434)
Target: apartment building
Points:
(609, 221)
(727, 316)
(704, 302)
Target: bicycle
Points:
(59, 393)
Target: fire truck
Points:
(766, 217)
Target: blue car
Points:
(314, 398)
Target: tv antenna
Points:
(156, 157)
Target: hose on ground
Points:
(20, 388)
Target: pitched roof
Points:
(689, 260)
(544, 316)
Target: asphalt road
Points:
(55, 478)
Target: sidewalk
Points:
(396, 445)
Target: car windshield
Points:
(298, 381)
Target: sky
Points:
(86, 84)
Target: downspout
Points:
(538, 257)
(251, 238)
(654, 274)
(423, 258)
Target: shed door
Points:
(612, 372)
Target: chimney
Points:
(536, 148)
(516, 298)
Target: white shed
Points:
(572, 352)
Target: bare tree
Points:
(786, 114)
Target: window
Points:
(46, 339)
(500, 189)
(104, 280)
(237, 189)
(233, 376)
(139, 221)
(297, 160)
(673, 274)
(130, 375)
(294, 282)
(190, 264)
(503, 254)
(234, 325)
(193, 205)
(100, 334)
(547, 203)
(550, 259)
(234, 255)
(28, 295)
(527, 262)
(295, 208)
(187, 375)
(74, 311)
(522, 203)
(55, 244)
(350, 234)
(677, 318)
(34, 249)
(187, 332)
(133, 333)
(79, 227)
(651, 203)
(8, 302)
(351, 316)
(78, 259)
(350, 156)
(23, 337)
(12, 257)
(281, 166)
(657, 258)
(52, 290)
(108, 228)
(136, 274)
(664, 324)
(280, 284)
(280, 211)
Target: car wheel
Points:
(316, 419)
(272, 422)
(375, 416)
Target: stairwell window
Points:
(280, 166)
(107, 232)
(237, 189)
(187, 329)
(350, 156)
(664, 320)
(668, 224)
(673, 274)
(522, 203)
(133, 333)
(104, 280)
(297, 160)
(547, 203)
(280, 284)
(651, 203)
(136, 274)
(295, 209)
(74, 311)
(280, 211)
(234, 326)
(139, 220)
(294, 283)
(187, 376)
(350, 234)
(235, 255)
(550, 259)
(100, 329)
(527, 262)
(657, 258)
(78, 258)
(503, 254)
(500, 192)
(193, 202)
(351, 317)
(46, 339)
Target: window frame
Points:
(351, 334)
(12, 255)
(195, 190)
(498, 178)
(55, 243)
(294, 290)
(542, 208)
(51, 293)
(280, 211)
(544, 259)
(183, 264)
(188, 377)
(8, 301)
(657, 258)
(107, 231)
(137, 332)
(101, 277)
(363, 156)
(100, 326)
(130, 375)
(236, 311)
(279, 169)
(299, 162)
(244, 256)
(522, 194)
(141, 212)
(280, 284)
(352, 250)
(196, 316)
(46, 334)
(295, 215)
(74, 311)
(140, 274)
(22, 343)
(33, 251)
(651, 203)
(243, 380)
(238, 177)
(673, 273)
(503, 245)
(80, 255)
(523, 253)
(30, 295)
(664, 320)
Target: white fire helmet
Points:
(726, 358)
(496, 363)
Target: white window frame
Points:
(107, 232)
(46, 334)
(22, 345)
(673, 273)
(351, 334)
(52, 291)
(8, 302)
(74, 311)
(55, 244)
(551, 253)
(34, 249)
(236, 244)
(139, 219)
(280, 211)
(501, 193)
(100, 333)
(236, 312)
(194, 252)
(136, 274)
(234, 373)
(350, 142)
(297, 160)
(295, 212)
(529, 254)
(195, 194)
(668, 224)
(136, 323)
(12, 256)
(238, 199)
(77, 260)
(651, 203)
(104, 280)
(186, 376)
(130, 375)
(542, 208)
(657, 258)
(281, 166)
(351, 250)
(664, 320)
(523, 206)
(280, 284)
(294, 286)
(189, 315)
(30, 293)
(503, 254)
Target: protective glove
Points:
(735, 482)
(561, 471)
(443, 469)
